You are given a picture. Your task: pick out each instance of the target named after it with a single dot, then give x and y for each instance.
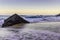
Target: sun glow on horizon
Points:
(29, 7)
(29, 12)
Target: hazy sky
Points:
(30, 6)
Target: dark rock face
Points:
(12, 20)
(58, 14)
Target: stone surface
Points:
(14, 19)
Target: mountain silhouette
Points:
(58, 14)
(14, 19)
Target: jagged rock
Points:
(14, 19)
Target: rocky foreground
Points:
(27, 34)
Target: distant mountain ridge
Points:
(33, 16)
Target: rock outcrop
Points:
(58, 14)
(14, 19)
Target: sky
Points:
(29, 7)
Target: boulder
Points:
(14, 19)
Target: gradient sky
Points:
(30, 7)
